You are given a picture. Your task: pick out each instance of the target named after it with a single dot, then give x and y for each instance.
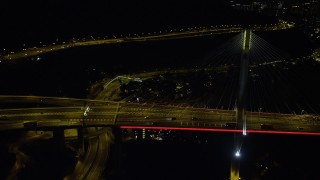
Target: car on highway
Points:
(170, 118)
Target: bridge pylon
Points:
(243, 80)
(241, 104)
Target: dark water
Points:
(262, 157)
(70, 73)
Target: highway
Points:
(93, 164)
(135, 114)
(83, 166)
(61, 101)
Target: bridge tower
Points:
(243, 81)
(241, 104)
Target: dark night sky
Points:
(104, 13)
(25, 21)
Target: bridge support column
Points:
(58, 138)
(235, 160)
(116, 115)
(81, 141)
(235, 168)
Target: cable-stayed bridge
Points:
(246, 63)
(144, 37)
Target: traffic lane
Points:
(21, 117)
(39, 110)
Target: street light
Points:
(237, 154)
(86, 110)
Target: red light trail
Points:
(223, 130)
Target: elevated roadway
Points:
(183, 33)
(132, 114)
(56, 101)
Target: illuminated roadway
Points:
(132, 114)
(61, 101)
(163, 35)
